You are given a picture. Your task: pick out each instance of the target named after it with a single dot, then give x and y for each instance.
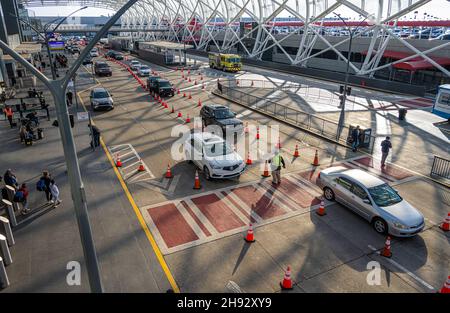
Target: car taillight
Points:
(318, 175)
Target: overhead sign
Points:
(56, 45)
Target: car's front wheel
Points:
(380, 225)
(328, 193)
(206, 173)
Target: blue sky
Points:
(438, 8)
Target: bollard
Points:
(8, 231)
(6, 255)
(11, 214)
(11, 192)
(4, 282)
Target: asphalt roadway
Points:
(200, 232)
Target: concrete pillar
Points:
(4, 282)
(11, 192)
(6, 255)
(10, 211)
(8, 232)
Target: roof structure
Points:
(229, 26)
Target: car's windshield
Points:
(217, 149)
(101, 94)
(164, 84)
(224, 113)
(102, 65)
(234, 60)
(384, 195)
(144, 67)
(134, 62)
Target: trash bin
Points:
(401, 114)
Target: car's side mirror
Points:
(367, 201)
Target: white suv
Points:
(211, 154)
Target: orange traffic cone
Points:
(316, 159)
(287, 281)
(197, 181)
(249, 161)
(445, 226)
(195, 82)
(188, 120)
(266, 170)
(199, 103)
(387, 248)
(321, 210)
(257, 133)
(296, 154)
(118, 162)
(141, 167)
(189, 80)
(250, 237)
(446, 287)
(168, 172)
(184, 95)
(203, 86)
(178, 91)
(201, 77)
(190, 96)
(179, 114)
(173, 110)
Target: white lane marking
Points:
(402, 268)
(246, 220)
(203, 219)
(244, 206)
(190, 220)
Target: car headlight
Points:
(95, 102)
(399, 225)
(215, 166)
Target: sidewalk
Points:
(46, 242)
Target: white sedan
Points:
(211, 154)
(135, 65)
(144, 70)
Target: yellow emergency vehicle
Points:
(225, 62)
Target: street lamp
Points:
(343, 97)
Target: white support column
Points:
(11, 192)
(4, 281)
(10, 211)
(8, 232)
(6, 255)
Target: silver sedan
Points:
(371, 198)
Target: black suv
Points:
(215, 114)
(162, 87)
(151, 82)
(117, 56)
(102, 68)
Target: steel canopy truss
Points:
(216, 23)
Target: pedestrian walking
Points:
(355, 138)
(10, 178)
(44, 185)
(386, 145)
(69, 96)
(55, 192)
(95, 136)
(276, 162)
(23, 191)
(9, 115)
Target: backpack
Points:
(18, 196)
(40, 185)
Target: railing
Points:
(440, 169)
(314, 124)
(265, 84)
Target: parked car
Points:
(75, 49)
(94, 53)
(110, 53)
(144, 70)
(102, 69)
(213, 155)
(135, 65)
(445, 36)
(162, 87)
(87, 60)
(117, 56)
(101, 99)
(373, 199)
(215, 114)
